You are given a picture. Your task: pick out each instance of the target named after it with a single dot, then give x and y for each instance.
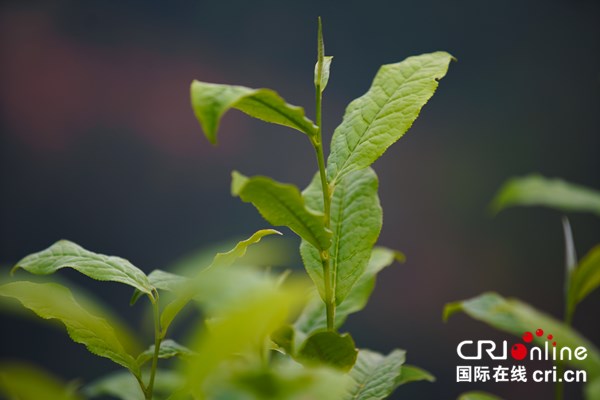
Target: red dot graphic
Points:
(539, 332)
(518, 351)
(550, 337)
(527, 337)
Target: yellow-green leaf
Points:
(53, 301)
(65, 254)
(210, 101)
(282, 205)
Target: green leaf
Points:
(282, 205)
(376, 376)
(376, 120)
(592, 390)
(283, 382)
(323, 62)
(283, 339)
(161, 280)
(168, 349)
(516, 317)
(313, 316)
(328, 348)
(356, 220)
(221, 260)
(121, 385)
(228, 258)
(65, 254)
(211, 101)
(478, 396)
(243, 327)
(585, 278)
(23, 381)
(53, 301)
(324, 73)
(124, 386)
(536, 190)
(411, 373)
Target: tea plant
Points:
(260, 336)
(581, 277)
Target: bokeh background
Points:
(99, 145)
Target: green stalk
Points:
(157, 342)
(570, 261)
(317, 141)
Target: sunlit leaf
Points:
(244, 327)
(536, 190)
(53, 301)
(225, 259)
(23, 381)
(211, 101)
(282, 205)
(65, 254)
(376, 120)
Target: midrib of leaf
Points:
(291, 118)
(377, 114)
(338, 230)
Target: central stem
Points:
(157, 341)
(317, 141)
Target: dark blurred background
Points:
(99, 146)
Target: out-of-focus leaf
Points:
(328, 348)
(380, 117)
(284, 338)
(220, 260)
(376, 376)
(356, 219)
(124, 386)
(585, 278)
(23, 381)
(478, 396)
(283, 382)
(211, 101)
(313, 316)
(162, 280)
(516, 317)
(65, 254)
(168, 349)
(536, 190)
(282, 205)
(592, 390)
(244, 327)
(53, 301)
